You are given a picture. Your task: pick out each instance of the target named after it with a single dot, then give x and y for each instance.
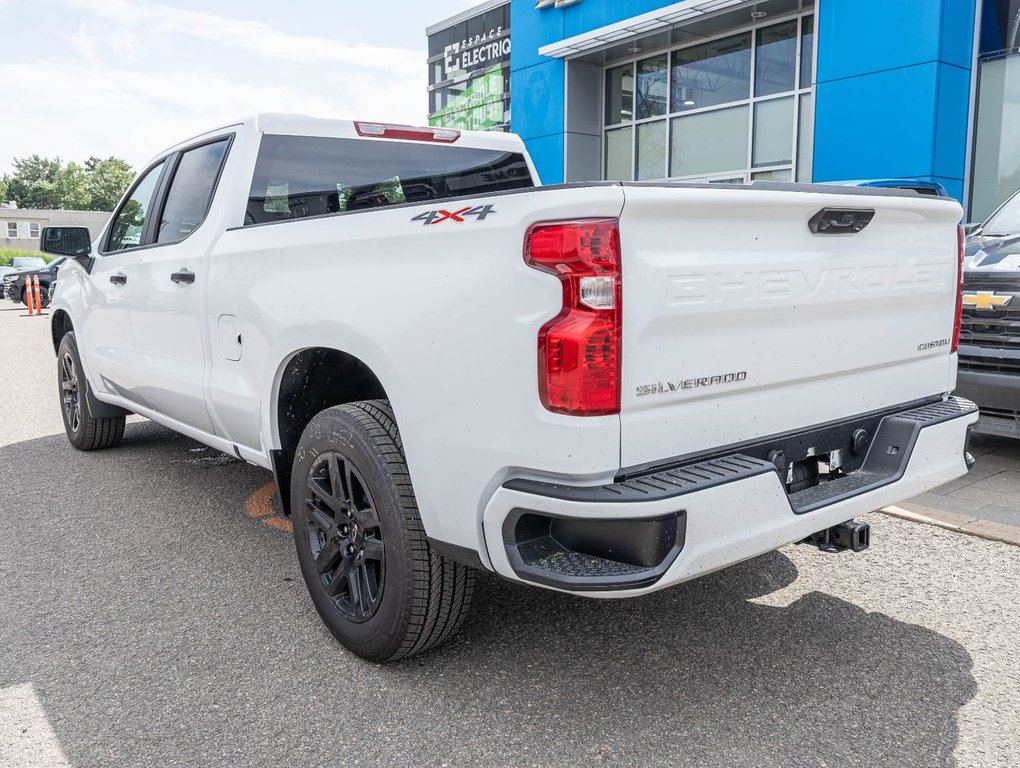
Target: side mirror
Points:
(66, 241)
(972, 230)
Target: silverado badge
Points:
(986, 299)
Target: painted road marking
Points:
(26, 738)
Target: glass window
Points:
(12, 230)
(807, 51)
(191, 191)
(996, 156)
(618, 148)
(775, 59)
(33, 229)
(709, 142)
(651, 150)
(129, 221)
(782, 174)
(1006, 220)
(773, 132)
(806, 138)
(652, 88)
(620, 95)
(298, 176)
(713, 73)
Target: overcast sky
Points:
(131, 77)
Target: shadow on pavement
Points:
(161, 625)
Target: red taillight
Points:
(958, 320)
(406, 132)
(579, 349)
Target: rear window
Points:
(299, 176)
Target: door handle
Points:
(184, 276)
(118, 279)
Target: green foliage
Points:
(3, 188)
(42, 182)
(37, 182)
(75, 193)
(7, 255)
(105, 181)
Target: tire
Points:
(44, 297)
(376, 583)
(84, 432)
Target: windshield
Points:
(1006, 220)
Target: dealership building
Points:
(743, 90)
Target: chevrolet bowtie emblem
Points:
(986, 299)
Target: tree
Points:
(105, 181)
(74, 188)
(42, 182)
(37, 182)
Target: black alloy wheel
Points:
(84, 431)
(345, 536)
(371, 573)
(70, 392)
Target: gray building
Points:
(20, 227)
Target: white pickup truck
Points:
(601, 388)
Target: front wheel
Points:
(84, 432)
(376, 583)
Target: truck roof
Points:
(305, 125)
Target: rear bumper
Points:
(998, 396)
(662, 528)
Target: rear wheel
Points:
(84, 432)
(376, 583)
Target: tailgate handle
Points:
(840, 221)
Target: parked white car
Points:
(602, 388)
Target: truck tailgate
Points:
(739, 322)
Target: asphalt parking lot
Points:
(152, 613)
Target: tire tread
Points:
(442, 590)
(94, 434)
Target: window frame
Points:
(169, 182)
(17, 231)
(170, 162)
(38, 229)
(375, 209)
(749, 170)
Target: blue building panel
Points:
(547, 154)
(957, 46)
(878, 125)
(952, 117)
(860, 37)
(538, 102)
(893, 89)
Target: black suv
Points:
(990, 332)
(14, 284)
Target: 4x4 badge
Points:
(986, 299)
(438, 217)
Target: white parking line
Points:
(26, 739)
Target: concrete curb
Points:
(985, 529)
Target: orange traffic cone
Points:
(38, 296)
(29, 299)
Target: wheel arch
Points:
(308, 381)
(60, 324)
